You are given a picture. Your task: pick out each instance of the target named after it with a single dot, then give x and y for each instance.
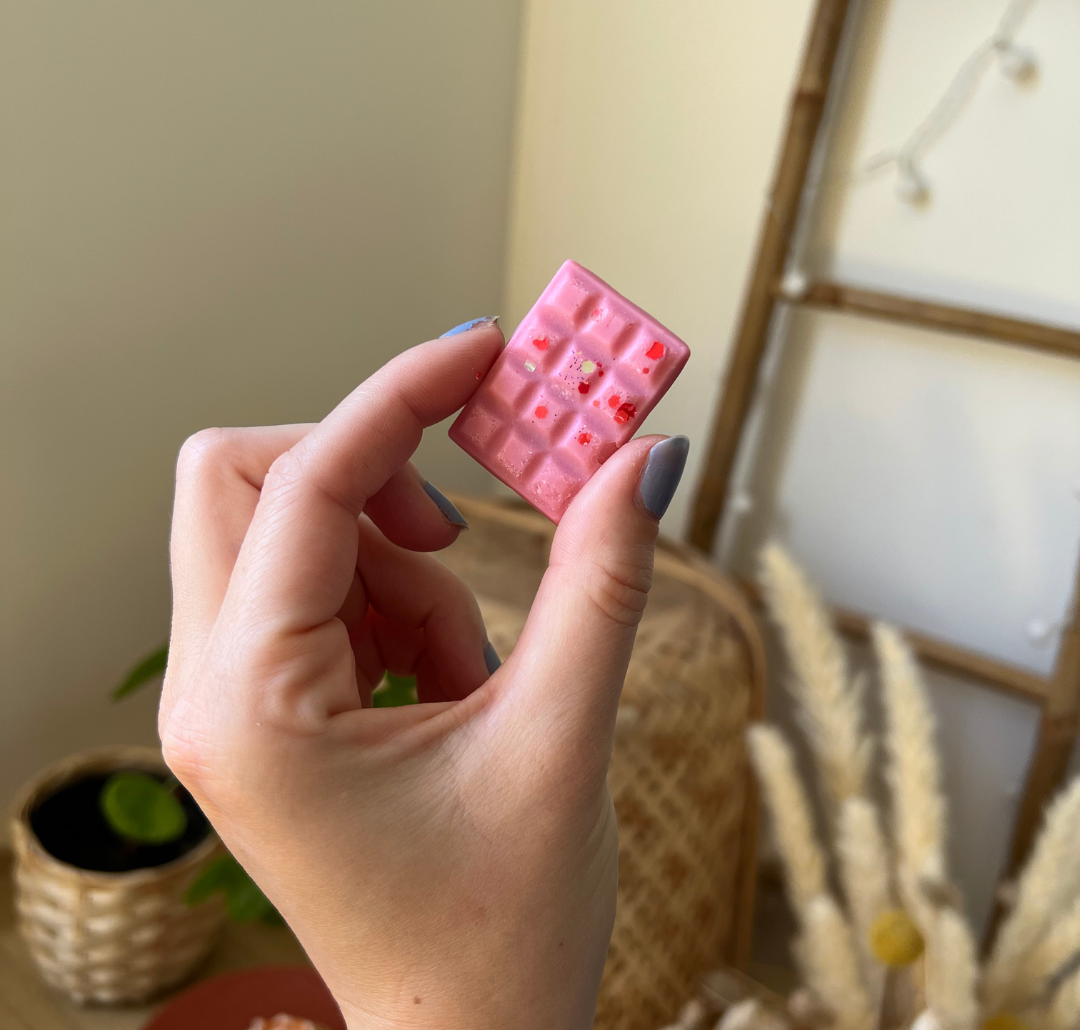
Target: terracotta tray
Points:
(232, 1001)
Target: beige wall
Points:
(210, 214)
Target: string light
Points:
(742, 503)
(1018, 63)
(1040, 631)
(794, 284)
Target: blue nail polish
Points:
(446, 506)
(491, 659)
(473, 323)
(663, 470)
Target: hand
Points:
(450, 864)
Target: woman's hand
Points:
(447, 865)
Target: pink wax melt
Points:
(573, 385)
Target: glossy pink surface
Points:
(573, 384)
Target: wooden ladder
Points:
(1058, 697)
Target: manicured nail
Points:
(474, 323)
(446, 506)
(663, 470)
(491, 659)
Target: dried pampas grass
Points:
(864, 867)
(1064, 1012)
(896, 889)
(952, 971)
(830, 708)
(793, 822)
(1057, 951)
(914, 775)
(1047, 884)
(831, 701)
(831, 965)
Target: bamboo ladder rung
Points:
(944, 318)
(940, 654)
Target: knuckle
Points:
(284, 473)
(201, 452)
(619, 588)
(183, 757)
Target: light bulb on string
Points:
(1040, 631)
(742, 503)
(911, 185)
(795, 284)
(1018, 63)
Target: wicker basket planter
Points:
(108, 938)
(679, 775)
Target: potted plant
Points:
(104, 911)
(121, 883)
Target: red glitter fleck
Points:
(541, 343)
(584, 438)
(596, 313)
(656, 351)
(541, 412)
(596, 404)
(625, 413)
(646, 370)
(600, 373)
(479, 375)
(582, 387)
(613, 400)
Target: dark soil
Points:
(71, 827)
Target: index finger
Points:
(297, 560)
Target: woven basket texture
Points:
(679, 775)
(109, 938)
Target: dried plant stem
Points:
(793, 822)
(864, 868)
(1064, 1012)
(1047, 884)
(914, 775)
(1051, 955)
(952, 971)
(831, 965)
(831, 701)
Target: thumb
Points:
(568, 667)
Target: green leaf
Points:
(243, 899)
(215, 877)
(395, 691)
(272, 917)
(246, 902)
(141, 808)
(151, 666)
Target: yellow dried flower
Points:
(895, 941)
(1005, 1021)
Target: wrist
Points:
(478, 1006)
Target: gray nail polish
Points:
(491, 659)
(663, 470)
(473, 323)
(446, 506)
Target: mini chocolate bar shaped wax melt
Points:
(573, 385)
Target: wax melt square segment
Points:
(574, 383)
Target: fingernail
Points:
(446, 506)
(663, 470)
(473, 323)
(491, 659)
